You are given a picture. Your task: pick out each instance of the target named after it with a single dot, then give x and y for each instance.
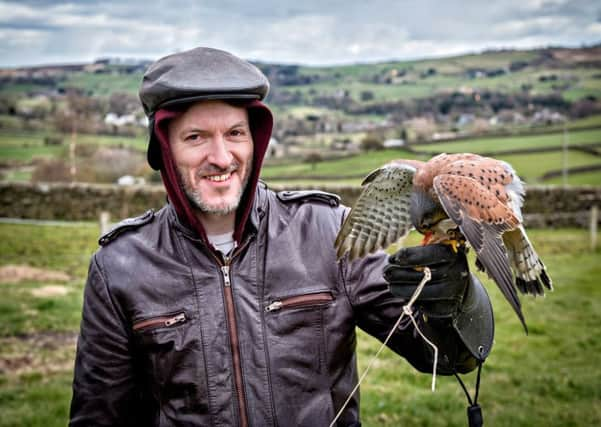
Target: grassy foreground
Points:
(548, 378)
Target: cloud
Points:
(311, 32)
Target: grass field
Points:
(587, 178)
(104, 84)
(582, 137)
(549, 378)
(24, 146)
(530, 167)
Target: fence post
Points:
(105, 219)
(593, 226)
(564, 156)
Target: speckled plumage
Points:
(478, 196)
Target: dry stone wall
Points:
(544, 206)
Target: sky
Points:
(311, 32)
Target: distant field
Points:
(105, 84)
(27, 153)
(548, 378)
(586, 178)
(355, 165)
(451, 74)
(25, 146)
(514, 142)
(457, 64)
(529, 166)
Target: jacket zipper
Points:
(300, 301)
(233, 331)
(164, 321)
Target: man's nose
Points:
(220, 154)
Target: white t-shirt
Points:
(224, 243)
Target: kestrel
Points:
(451, 198)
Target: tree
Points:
(313, 158)
(367, 95)
(403, 134)
(122, 103)
(76, 117)
(372, 142)
(50, 170)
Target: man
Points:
(227, 306)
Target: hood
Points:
(261, 125)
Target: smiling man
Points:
(227, 306)
(212, 147)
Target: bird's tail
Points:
(530, 273)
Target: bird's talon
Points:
(454, 244)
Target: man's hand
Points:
(443, 294)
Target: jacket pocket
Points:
(297, 332)
(169, 353)
(165, 321)
(297, 339)
(299, 301)
(160, 340)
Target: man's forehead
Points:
(212, 112)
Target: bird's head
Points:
(426, 212)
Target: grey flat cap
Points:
(197, 74)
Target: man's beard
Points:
(196, 198)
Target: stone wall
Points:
(78, 202)
(544, 206)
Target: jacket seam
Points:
(322, 338)
(263, 321)
(104, 280)
(343, 267)
(202, 341)
(115, 312)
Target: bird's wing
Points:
(482, 218)
(381, 214)
(530, 273)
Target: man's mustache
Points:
(215, 170)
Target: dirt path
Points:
(44, 353)
(18, 273)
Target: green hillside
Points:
(527, 97)
(539, 72)
(571, 73)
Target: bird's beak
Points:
(427, 237)
(421, 204)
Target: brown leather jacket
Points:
(172, 334)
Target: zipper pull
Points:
(176, 319)
(226, 275)
(276, 305)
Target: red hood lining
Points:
(261, 125)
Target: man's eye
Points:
(192, 137)
(236, 132)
